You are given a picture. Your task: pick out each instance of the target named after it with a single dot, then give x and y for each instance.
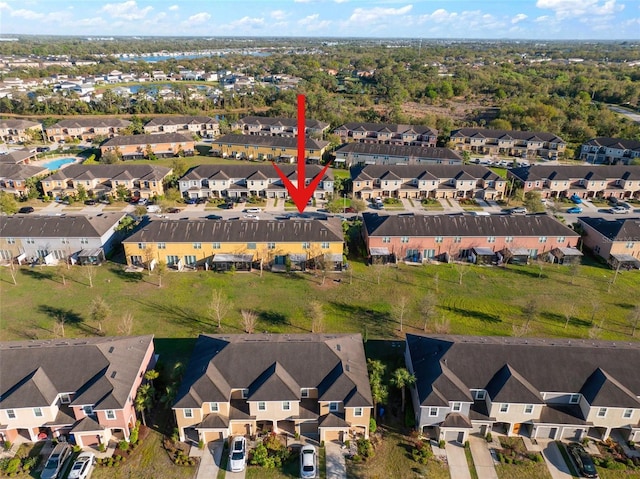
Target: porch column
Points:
(275, 426)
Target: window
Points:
(11, 414)
(84, 241)
(88, 410)
(433, 411)
(172, 259)
(306, 245)
(324, 245)
(262, 406)
(627, 413)
(30, 241)
(190, 259)
(508, 239)
(528, 409)
(304, 392)
(542, 239)
(481, 394)
(602, 412)
(457, 239)
(141, 246)
(357, 412)
(65, 398)
(504, 407)
(251, 246)
(111, 414)
(37, 412)
(197, 245)
(162, 246)
(491, 239)
(574, 399)
(561, 239)
(215, 245)
(188, 413)
(271, 246)
(438, 239)
(404, 239)
(64, 241)
(630, 245)
(333, 407)
(456, 406)
(386, 239)
(11, 241)
(286, 405)
(245, 393)
(214, 406)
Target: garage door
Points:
(332, 435)
(451, 436)
(91, 440)
(546, 432)
(212, 436)
(309, 428)
(571, 433)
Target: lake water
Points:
(56, 164)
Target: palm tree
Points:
(379, 391)
(144, 400)
(401, 379)
(150, 375)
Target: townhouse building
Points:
(13, 178)
(521, 144)
(610, 151)
(599, 181)
(493, 238)
(73, 389)
(238, 244)
(428, 181)
(314, 385)
(382, 154)
(19, 131)
(616, 241)
(18, 157)
(540, 388)
(86, 239)
(139, 181)
(288, 127)
(271, 148)
(162, 145)
(237, 181)
(86, 129)
(203, 126)
(388, 134)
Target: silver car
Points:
(55, 463)
(308, 462)
(238, 454)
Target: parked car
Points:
(253, 210)
(574, 210)
(201, 201)
(582, 460)
(55, 463)
(90, 202)
(618, 210)
(143, 202)
(191, 201)
(153, 209)
(252, 216)
(227, 206)
(83, 465)
(308, 462)
(519, 210)
(174, 210)
(238, 454)
(576, 199)
(26, 209)
(213, 217)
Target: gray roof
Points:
(289, 122)
(617, 143)
(427, 172)
(516, 135)
(463, 225)
(98, 371)
(404, 151)
(627, 229)
(20, 172)
(274, 141)
(82, 172)
(17, 156)
(147, 139)
(180, 120)
(391, 127)
(18, 124)
(280, 365)
(95, 122)
(576, 172)
(238, 231)
(64, 226)
(249, 170)
(518, 369)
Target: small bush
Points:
(489, 437)
(441, 443)
(365, 448)
(7, 445)
(200, 444)
(123, 445)
(373, 426)
(77, 449)
(133, 436)
(12, 466)
(102, 448)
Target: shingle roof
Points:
(180, 120)
(216, 172)
(147, 139)
(573, 172)
(290, 122)
(33, 373)
(92, 123)
(110, 171)
(429, 172)
(430, 152)
(463, 225)
(395, 128)
(619, 143)
(273, 141)
(20, 172)
(17, 156)
(627, 229)
(517, 135)
(542, 365)
(18, 124)
(238, 231)
(601, 389)
(508, 385)
(294, 360)
(64, 226)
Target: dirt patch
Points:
(458, 109)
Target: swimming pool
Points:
(56, 164)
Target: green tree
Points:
(401, 379)
(179, 166)
(82, 193)
(109, 158)
(533, 202)
(144, 400)
(99, 311)
(161, 270)
(8, 203)
(379, 391)
(358, 205)
(122, 193)
(126, 224)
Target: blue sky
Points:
(525, 19)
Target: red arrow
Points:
(301, 194)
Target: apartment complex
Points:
(162, 145)
(13, 178)
(86, 129)
(616, 241)
(271, 148)
(521, 144)
(383, 154)
(266, 126)
(18, 131)
(387, 134)
(203, 126)
(610, 150)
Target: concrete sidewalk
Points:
(458, 467)
(482, 458)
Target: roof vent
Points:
(111, 349)
(337, 347)
(347, 368)
(113, 374)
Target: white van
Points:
(153, 209)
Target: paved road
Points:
(336, 467)
(458, 467)
(555, 462)
(624, 112)
(482, 458)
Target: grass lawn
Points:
(529, 470)
(611, 474)
(191, 161)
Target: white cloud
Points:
(4, 6)
(577, 8)
(313, 23)
(341, 1)
(542, 18)
(518, 18)
(173, 8)
(126, 11)
(376, 14)
(27, 14)
(301, 1)
(279, 14)
(250, 22)
(199, 18)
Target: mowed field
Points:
(490, 301)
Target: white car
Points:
(308, 462)
(238, 454)
(619, 210)
(83, 465)
(252, 217)
(253, 210)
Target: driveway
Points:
(458, 467)
(482, 458)
(210, 460)
(336, 467)
(555, 462)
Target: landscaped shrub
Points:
(12, 466)
(373, 426)
(365, 448)
(123, 445)
(488, 437)
(441, 443)
(422, 452)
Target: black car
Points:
(582, 460)
(26, 209)
(90, 202)
(227, 206)
(201, 201)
